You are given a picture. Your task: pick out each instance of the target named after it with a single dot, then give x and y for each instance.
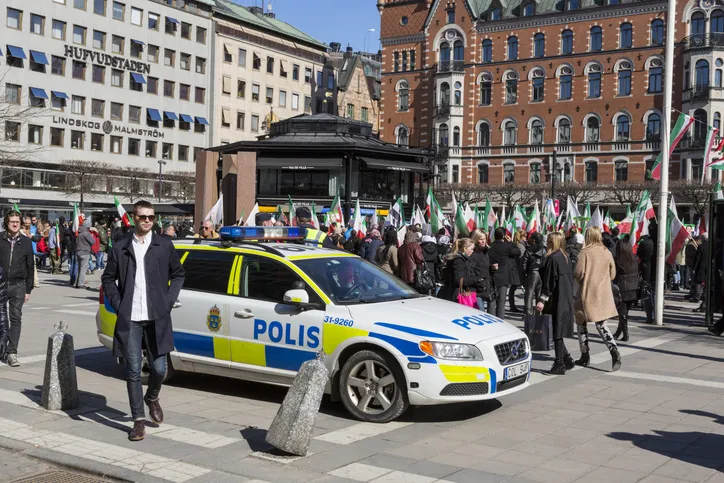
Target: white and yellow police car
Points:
(256, 310)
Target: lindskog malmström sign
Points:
(107, 127)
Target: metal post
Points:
(665, 143)
(554, 174)
(161, 162)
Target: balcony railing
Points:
(508, 149)
(535, 148)
(621, 146)
(441, 110)
(591, 146)
(699, 41)
(441, 152)
(450, 66)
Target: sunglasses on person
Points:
(146, 217)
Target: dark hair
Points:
(624, 254)
(441, 232)
(536, 239)
(499, 233)
(166, 226)
(615, 231)
(142, 204)
(31, 215)
(61, 220)
(8, 215)
(391, 237)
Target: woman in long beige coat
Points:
(594, 272)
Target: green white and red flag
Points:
(57, 238)
(676, 235)
(677, 133)
(336, 212)
(625, 225)
(315, 220)
(77, 218)
(489, 218)
(461, 225)
(717, 156)
(429, 202)
(608, 223)
(280, 216)
(717, 191)
(709, 147)
(533, 225)
(469, 218)
(122, 213)
(292, 212)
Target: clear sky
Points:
(343, 21)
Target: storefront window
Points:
(380, 184)
(310, 183)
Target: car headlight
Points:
(455, 352)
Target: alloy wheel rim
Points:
(371, 387)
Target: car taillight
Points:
(101, 301)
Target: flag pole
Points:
(665, 142)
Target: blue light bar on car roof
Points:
(262, 233)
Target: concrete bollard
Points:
(292, 428)
(60, 384)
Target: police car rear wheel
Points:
(371, 387)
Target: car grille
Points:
(512, 352)
(510, 384)
(465, 389)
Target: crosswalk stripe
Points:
(81, 304)
(677, 380)
(76, 312)
(358, 432)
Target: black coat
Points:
(627, 279)
(645, 253)
(700, 265)
(4, 324)
(162, 266)
(458, 268)
(557, 291)
(503, 253)
(23, 260)
(690, 255)
(481, 267)
(429, 253)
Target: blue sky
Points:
(343, 21)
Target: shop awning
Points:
(298, 163)
(39, 93)
(170, 115)
(60, 95)
(154, 115)
(202, 120)
(395, 165)
(138, 42)
(16, 52)
(138, 78)
(38, 57)
(173, 20)
(186, 118)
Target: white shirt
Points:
(139, 307)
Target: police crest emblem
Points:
(213, 321)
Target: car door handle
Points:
(176, 304)
(244, 314)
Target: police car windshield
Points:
(352, 280)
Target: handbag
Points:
(469, 299)
(539, 329)
(424, 282)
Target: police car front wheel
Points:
(372, 387)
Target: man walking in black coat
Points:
(142, 280)
(17, 261)
(501, 252)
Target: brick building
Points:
(498, 85)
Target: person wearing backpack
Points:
(386, 256)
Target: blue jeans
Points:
(99, 261)
(133, 358)
(481, 304)
(72, 267)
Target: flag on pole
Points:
(587, 212)
(57, 239)
(292, 212)
(676, 235)
(315, 220)
(717, 156)
(216, 213)
(461, 226)
(280, 216)
(534, 221)
(454, 203)
(717, 191)
(709, 147)
(251, 219)
(77, 218)
(677, 133)
(122, 213)
(15, 207)
(469, 218)
(401, 233)
(607, 222)
(596, 220)
(358, 220)
(429, 202)
(419, 216)
(336, 212)
(241, 219)
(395, 217)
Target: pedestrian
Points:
(72, 239)
(645, 254)
(369, 246)
(54, 248)
(102, 246)
(410, 257)
(574, 245)
(386, 256)
(459, 271)
(142, 281)
(444, 247)
(609, 243)
(627, 280)
(206, 231)
(556, 298)
(690, 262)
(594, 272)
(502, 253)
(701, 270)
(95, 249)
(169, 231)
(353, 243)
(84, 244)
(18, 265)
(313, 237)
(482, 269)
(429, 253)
(63, 242)
(532, 261)
(516, 277)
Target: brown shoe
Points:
(138, 432)
(154, 410)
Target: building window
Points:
(295, 72)
(538, 85)
(484, 134)
(119, 11)
(269, 95)
(77, 140)
(117, 44)
(482, 174)
(255, 92)
(596, 39)
(166, 151)
(57, 65)
(169, 57)
(79, 34)
(593, 132)
(183, 153)
(240, 121)
(698, 24)
(487, 50)
(566, 80)
(509, 134)
(57, 136)
(412, 62)
(656, 76)
(35, 134)
(573, 4)
(657, 29)
(444, 52)
(99, 40)
(136, 16)
(116, 78)
(456, 136)
(495, 14)
(621, 171)
(99, 74)
(364, 114)
(564, 131)
(133, 84)
(134, 114)
(529, 9)
(79, 4)
(12, 131)
(536, 132)
(308, 75)
(486, 90)
(451, 16)
(134, 147)
(697, 169)
(116, 143)
(513, 48)
(240, 89)
(79, 69)
(77, 105)
(98, 107)
(330, 81)
(443, 135)
(99, 7)
(716, 22)
(58, 30)
(255, 123)
(444, 94)
(509, 173)
(169, 88)
(539, 44)
(404, 96)
(320, 77)
(116, 111)
(171, 26)
(226, 85)
(591, 171)
(567, 42)
(701, 74)
(200, 35)
(653, 127)
(152, 85)
(624, 79)
(295, 102)
(535, 169)
(185, 30)
(270, 65)
(37, 24)
(458, 94)
(151, 149)
(511, 88)
(594, 81)
(152, 54)
(14, 19)
(200, 65)
(622, 128)
(308, 104)
(282, 98)
(96, 142)
(625, 36)
(403, 136)
(153, 20)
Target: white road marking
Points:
(359, 472)
(140, 461)
(41, 357)
(81, 304)
(359, 431)
(677, 380)
(76, 312)
(38, 308)
(403, 477)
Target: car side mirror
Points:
(300, 298)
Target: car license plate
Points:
(515, 371)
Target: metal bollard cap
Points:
(61, 327)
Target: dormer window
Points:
(495, 14)
(529, 9)
(451, 16)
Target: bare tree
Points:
(131, 180)
(464, 193)
(693, 193)
(511, 194)
(184, 185)
(580, 193)
(83, 177)
(16, 112)
(629, 193)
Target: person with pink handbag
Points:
(460, 275)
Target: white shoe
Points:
(12, 360)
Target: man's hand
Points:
(539, 306)
(27, 297)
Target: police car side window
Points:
(208, 271)
(266, 279)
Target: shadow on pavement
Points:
(693, 447)
(705, 414)
(256, 439)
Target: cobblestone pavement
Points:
(658, 419)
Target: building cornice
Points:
(419, 37)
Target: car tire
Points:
(146, 373)
(377, 399)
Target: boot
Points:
(622, 328)
(568, 362)
(615, 360)
(584, 360)
(558, 369)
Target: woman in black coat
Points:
(459, 268)
(430, 254)
(556, 298)
(531, 262)
(627, 279)
(482, 269)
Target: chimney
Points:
(335, 46)
(256, 10)
(271, 15)
(348, 52)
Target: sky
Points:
(343, 21)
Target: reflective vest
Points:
(315, 237)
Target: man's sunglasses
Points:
(146, 217)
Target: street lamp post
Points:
(554, 174)
(161, 163)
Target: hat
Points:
(428, 238)
(578, 238)
(264, 216)
(303, 212)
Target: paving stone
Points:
(431, 469)
(474, 476)
(608, 475)
(694, 469)
(637, 460)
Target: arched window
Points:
(529, 9)
(657, 32)
(698, 24)
(716, 22)
(718, 73)
(653, 127)
(512, 48)
(444, 94)
(534, 173)
(624, 78)
(509, 134)
(656, 76)
(591, 171)
(539, 45)
(564, 131)
(483, 174)
(565, 81)
(538, 80)
(484, 134)
(623, 128)
(458, 50)
(456, 136)
(511, 88)
(596, 39)
(621, 170)
(625, 40)
(403, 136)
(444, 52)
(495, 14)
(443, 135)
(458, 94)
(700, 127)
(487, 50)
(404, 96)
(701, 74)
(509, 173)
(593, 130)
(566, 42)
(536, 132)
(717, 123)
(486, 89)
(594, 81)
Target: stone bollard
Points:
(60, 384)
(291, 430)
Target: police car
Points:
(255, 306)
